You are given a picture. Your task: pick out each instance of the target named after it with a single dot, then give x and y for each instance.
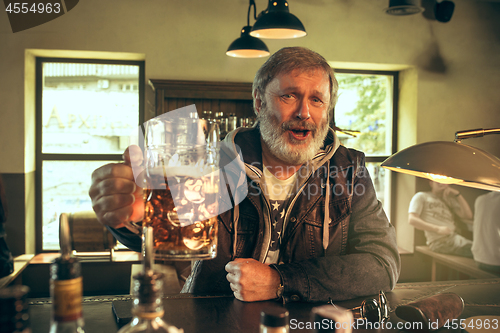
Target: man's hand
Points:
(116, 199)
(444, 230)
(450, 192)
(251, 280)
(458, 204)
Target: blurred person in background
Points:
(486, 236)
(434, 211)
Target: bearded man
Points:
(310, 227)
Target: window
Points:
(366, 110)
(84, 120)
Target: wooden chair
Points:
(90, 239)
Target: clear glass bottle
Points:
(232, 123)
(223, 125)
(66, 288)
(147, 309)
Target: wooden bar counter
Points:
(223, 314)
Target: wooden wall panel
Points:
(226, 97)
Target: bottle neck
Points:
(148, 293)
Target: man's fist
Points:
(116, 198)
(251, 280)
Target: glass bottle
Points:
(232, 123)
(66, 288)
(274, 320)
(223, 125)
(147, 309)
(14, 312)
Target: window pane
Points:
(381, 181)
(65, 190)
(365, 105)
(88, 108)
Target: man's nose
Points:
(303, 110)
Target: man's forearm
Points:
(420, 224)
(371, 264)
(464, 210)
(340, 277)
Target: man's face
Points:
(437, 188)
(293, 115)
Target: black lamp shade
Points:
(247, 46)
(278, 23)
(403, 7)
(444, 10)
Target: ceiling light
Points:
(276, 22)
(403, 7)
(247, 46)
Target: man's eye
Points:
(287, 98)
(317, 101)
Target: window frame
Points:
(394, 141)
(41, 157)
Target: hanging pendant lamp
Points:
(403, 7)
(247, 46)
(276, 22)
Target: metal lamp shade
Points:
(403, 7)
(247, 46)
(278, 23)
(448, 163)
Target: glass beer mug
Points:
(181, 183)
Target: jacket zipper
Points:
(292, 203)
(268, 222)
(297, 194)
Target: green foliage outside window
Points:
(365, 105)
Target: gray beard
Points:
(273, 136)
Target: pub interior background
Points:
(449, 74)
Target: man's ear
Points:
(257, 101)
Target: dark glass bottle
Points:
(66, 288)
(14, 314)
(274, 320)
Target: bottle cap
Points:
(274, 317)
(65, 269)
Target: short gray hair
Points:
(289, 59)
